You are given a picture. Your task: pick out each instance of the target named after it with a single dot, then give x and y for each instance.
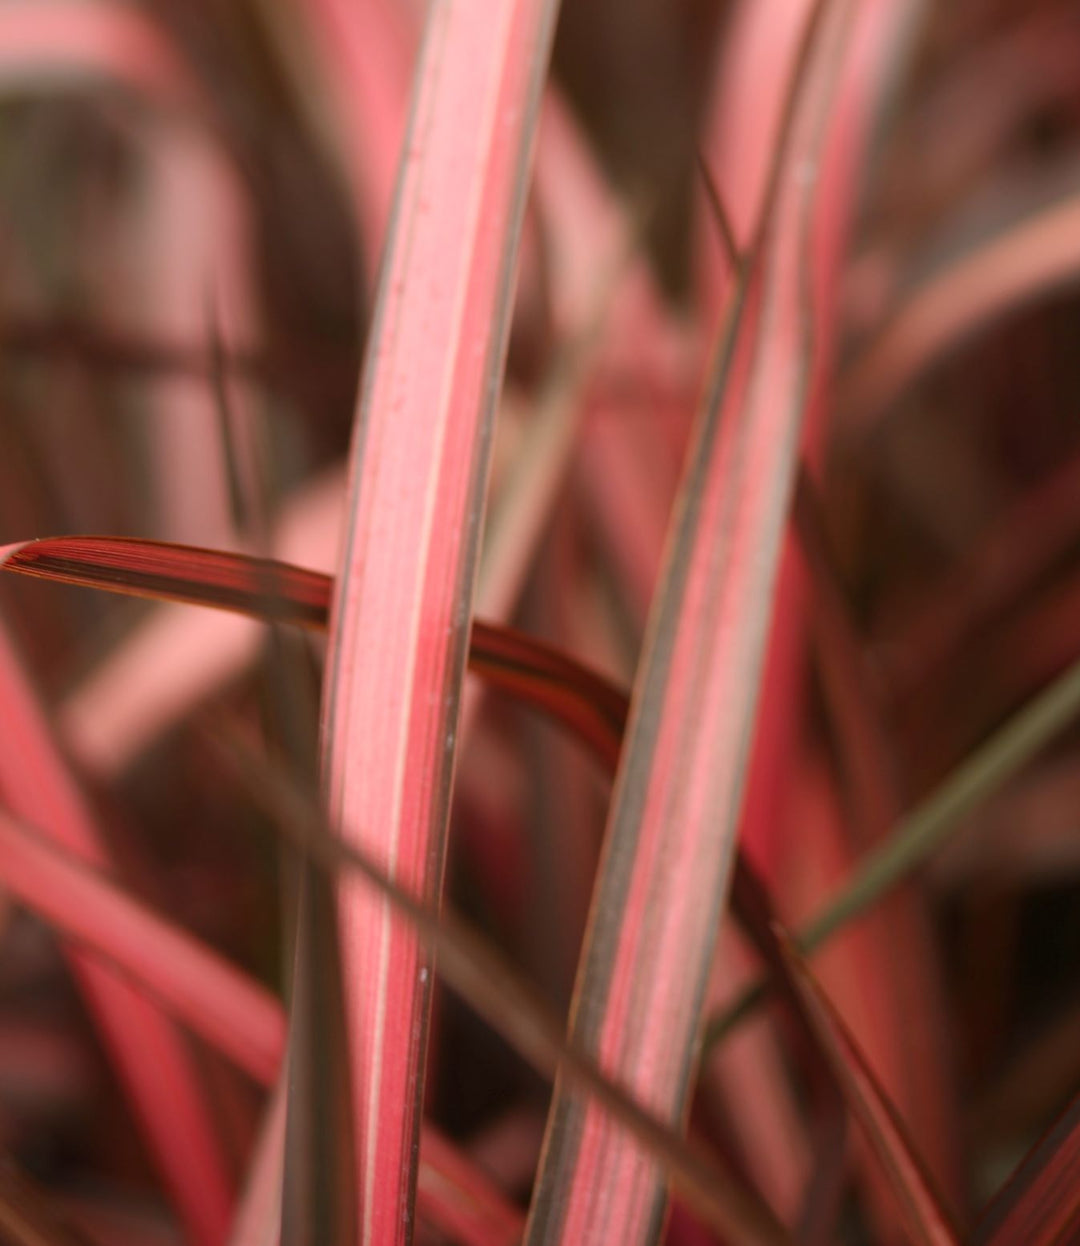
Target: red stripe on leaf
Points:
(398, 630)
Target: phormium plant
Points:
(538, 643)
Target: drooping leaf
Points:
(171, 572)
(274, 591)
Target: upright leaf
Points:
(152, 1063)
(671, 834)
(1041, 1204)
(398, 630)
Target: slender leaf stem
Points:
(928, 826)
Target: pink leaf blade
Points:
(398, 631)
(182, 573)
(221, 1004)
(461, 1200)
(365, 54)
(1027, 260)
(69, 43)
(268, 590)
(671, 830)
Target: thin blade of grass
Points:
(197, 230)
(167, 571)
(318, 1162)
(748, 1086)
(317, 1203)
(489, 984)
(752, 903)
(398, 629)
(930, 823)
(850, 968)
(928, 1219)
(877, 43)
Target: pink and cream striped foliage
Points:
(489, 596)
